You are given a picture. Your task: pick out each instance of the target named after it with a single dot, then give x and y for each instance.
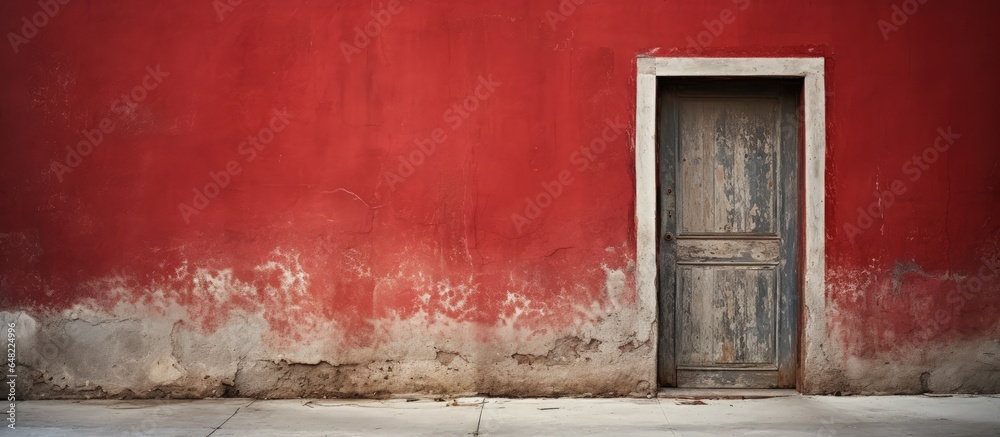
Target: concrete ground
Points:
(784, 416)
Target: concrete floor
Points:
(787, 416)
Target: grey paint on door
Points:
(728, 153)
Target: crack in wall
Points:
(633, 345)
(447, 358)
(566, 351)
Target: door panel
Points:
(727, 165)
(728, 207)
(696, 250)
(726, 316)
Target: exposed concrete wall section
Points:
(153, 346)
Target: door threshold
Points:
(724, 393)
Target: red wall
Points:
(319, 194)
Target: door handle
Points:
(668, 236)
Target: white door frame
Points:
(812, 329)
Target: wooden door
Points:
(728, 212)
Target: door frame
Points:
(812, 326)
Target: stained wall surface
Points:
(336, 198)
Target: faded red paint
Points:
(320, 189)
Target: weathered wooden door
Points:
(728, 206)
